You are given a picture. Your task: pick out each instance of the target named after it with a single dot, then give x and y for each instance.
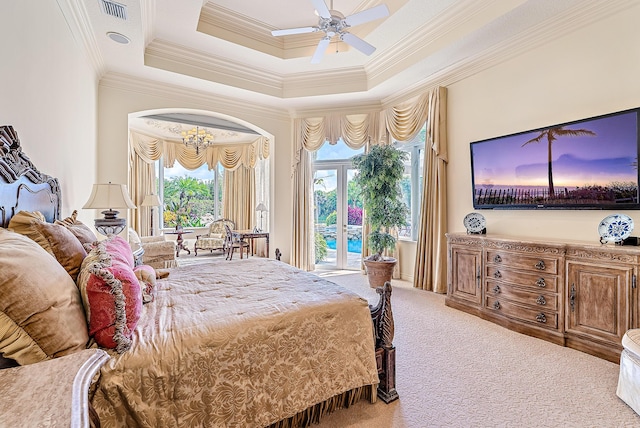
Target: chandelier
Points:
(197, 138)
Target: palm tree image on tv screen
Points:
(592, 163)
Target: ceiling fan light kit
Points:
(334, 23)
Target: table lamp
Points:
(152, 201)
(109, 196)
(262, 208)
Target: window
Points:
(191, 198)
(412, 181)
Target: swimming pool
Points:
(353, 246)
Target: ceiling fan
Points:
(334, 23)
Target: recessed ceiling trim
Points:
(179, 59)
(172, 57)
(226, 24)
(190, 97)
(203, 121)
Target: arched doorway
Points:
(198, 149)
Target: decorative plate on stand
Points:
(475, 223)
(615, 228)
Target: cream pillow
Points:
(41, 313)
(21, 223)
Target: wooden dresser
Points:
(574, 294)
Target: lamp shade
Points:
(107, 196)
(261, 207)
(151, 200)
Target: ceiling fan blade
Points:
(367, 15)
(322, 47)
(357, 43)
(289, 31)
(321, 8)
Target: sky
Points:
(178, 170)
(577, 161)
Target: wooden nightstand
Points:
(51, 393)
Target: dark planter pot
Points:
(380, 272)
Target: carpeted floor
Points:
(456, 370)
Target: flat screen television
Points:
(586, 164)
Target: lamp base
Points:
(110, 224)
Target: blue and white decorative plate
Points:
(474, 222)
(615, 228)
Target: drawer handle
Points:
(540, 265)
(541, 301)
(572, 298)
(541, 318)
(541, 283)
(497, 274)
(496, 289)
(497, 259)
(496, 305)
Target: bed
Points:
(244, 343)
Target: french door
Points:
(337, 218)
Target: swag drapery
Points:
(402, 123)
(238, 159)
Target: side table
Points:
(179, 240)
(250, 234)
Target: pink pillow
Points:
(111, 295)
(118, 248)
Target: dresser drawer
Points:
(542, 318)
(534, 281)
(541, 300)
(524, 262)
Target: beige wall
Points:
(120, 96)
(591, 72)
(48, 94)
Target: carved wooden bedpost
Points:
(385, 351)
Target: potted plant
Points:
(380, 172)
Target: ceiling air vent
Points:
(114, 9)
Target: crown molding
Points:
(76, 15)
(180, 59)
(186, 96)
(226, 24)
(424, 41)
(148, 16)
(587, 12)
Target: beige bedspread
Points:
(241, 343)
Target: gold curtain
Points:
(144, 150)
(142, 181)
(239, 196)
(302, 252)
(309, 135)
(431, 254)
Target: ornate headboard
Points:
(22, 186)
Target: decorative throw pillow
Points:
(21, 223)
(41, 314)
(119, 248)
(111, 295)
(147, 277)
(67, 250)
(80, 230)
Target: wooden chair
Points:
(231, 244)
(215, 238)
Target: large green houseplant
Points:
(379, 173)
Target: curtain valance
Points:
(230, 156)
